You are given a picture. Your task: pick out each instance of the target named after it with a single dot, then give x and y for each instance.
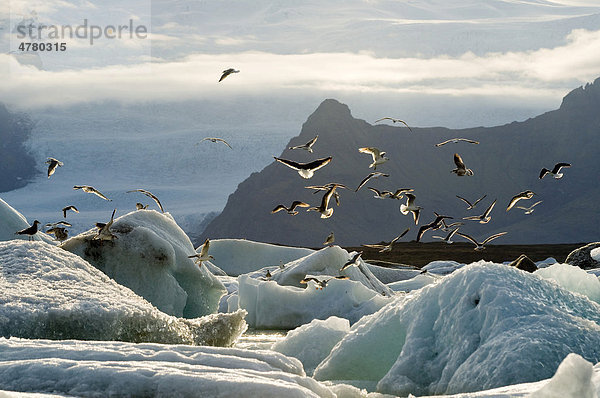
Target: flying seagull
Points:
(90, 189)
(388, 246)
(228, 72)
(375, 174)
(29, 231)
(307, 146)
(461, 169)
(485, 217)
(55, 224)
(447, 227)
(529, 210)
(378, 156)
(455, 140)
(435, 224)
(517, 197)
(411, 207)
(399, 194)
(471, 205)
(323, 209)
(66, 209)
(216, 139)
(352, 262)
(480, 246)
(325, 187)
(52, 165)
(203, 255)
(447, 237)
(380, 194)
(321, 283)
(555, 172)
(150, 195)
(394, 121)
(292, 209)
(306, 170)
(330, 239)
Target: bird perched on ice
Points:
(60, 233)
(67, 208)
(104, 232)
(378, 156)
(52, 165)
(394, 121)
(150, 195)
(320, 284)
(203, 255)
(292, 209)
(523, 195)
(330, 239)
(307, 146)
(411, 207)
(354, 261)
(228, 72)
(90, 189)
(140, 206)
(555, 172)
(216, 139)
(461, 169)
(306, 170)
(485, 217)
(29, 231)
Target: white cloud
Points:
(531, 73)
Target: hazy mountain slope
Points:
(16, 165)
(507, 161)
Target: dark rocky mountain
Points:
(17, 166)
(507, 161)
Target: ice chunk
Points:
(484, 326)
(595, 254)
(419, 281)
(328, 261)
(546, 263)
(312, 342)
(150, 256)
(388, 275)
(573, 378)
(272, 306)
(82, 368)
(573, 279)
(442, 267)
(240, 256)
(49, 293)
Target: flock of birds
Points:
(307, 170)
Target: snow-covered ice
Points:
(573, 378)
(49, 293)
(312, 342)
(273, 306)
(81, 368)
(484, 326)
(150, 256)
(13, 221)
(595, 254)
(419, 281)
(240, 256)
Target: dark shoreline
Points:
(420, 254)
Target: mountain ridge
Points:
(507, 161)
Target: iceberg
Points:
(312, 342)
(273, 306)
(12, 221)
(484, 326)
(572, 278)
(150, 256)
(240, 256)
(49, 293)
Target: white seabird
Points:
(461, 169)
(471, 205)
(292, 209)
(555, 172)
(330, 239)
(306, 170)
(378, 156)
(307, 146)
(447, 237)
(52, 165)
(203, 255)
(394, 121)
(228, 72)
(67, 208)
(375, 174)
(480, 246)
(323, 208)
(411, 207)
(90, 189)
(485, 217)
(455, 140)
(523, 195)
(529, 210)
(352, 262)
(388, 246)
